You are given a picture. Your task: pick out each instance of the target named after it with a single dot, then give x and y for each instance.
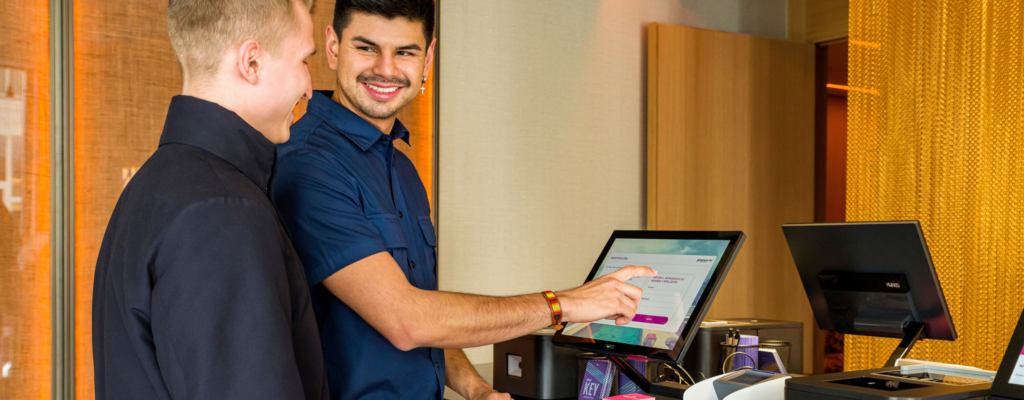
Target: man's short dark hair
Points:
(413, 10)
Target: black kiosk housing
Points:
(874, 279)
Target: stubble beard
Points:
(375, 109)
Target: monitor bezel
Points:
(1001, 385)
(674, 355)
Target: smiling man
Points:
(198, 291)
(361, 222)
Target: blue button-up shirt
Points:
(345, 193)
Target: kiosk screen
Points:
(684, 269)
(1017, 376)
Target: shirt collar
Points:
(211, 127)
(354, 127)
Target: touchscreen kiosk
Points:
(877, 279)
(871, 279)
(691, 267)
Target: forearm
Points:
(409, 317)
(458, 320)
(460, 375)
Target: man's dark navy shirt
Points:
(199, 293)
(345, 194)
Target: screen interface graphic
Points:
(684, 268)
(1017, 378)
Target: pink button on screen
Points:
(650, 319)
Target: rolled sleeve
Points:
(221, 312)
(321, 208)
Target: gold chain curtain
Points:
(937, 134)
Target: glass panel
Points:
(24, 199)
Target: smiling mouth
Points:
(383, 90)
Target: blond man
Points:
(198, 291)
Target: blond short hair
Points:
(201, 30)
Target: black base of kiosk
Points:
(879, 384)
(889, 382)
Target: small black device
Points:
(530, 367)
(706, 354)
(691, 267)
(877, 279)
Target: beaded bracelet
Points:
(556, 309)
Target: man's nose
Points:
(385, 67)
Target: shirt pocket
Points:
(430, 251)
(390, 228)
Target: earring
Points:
(423, 88)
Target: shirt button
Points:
(399, 214)
(437, 364)
(412, 263)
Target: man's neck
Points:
(383, 125)
(221, 97)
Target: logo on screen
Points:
(894, 285)
(704, 260)
(620, 258)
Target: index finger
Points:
(631, 271)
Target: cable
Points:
(678, 368)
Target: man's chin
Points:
(376, 109)
(378, 113)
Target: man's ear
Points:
(249, 64)
(331, 47)
(430, 57)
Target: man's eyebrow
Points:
(365, 40)
(413, 46)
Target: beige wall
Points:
(542, 131)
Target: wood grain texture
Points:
(125, 76)
(827, 20)
(731, 147)
(796, 20)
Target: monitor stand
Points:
(912, 332)
(666, 389)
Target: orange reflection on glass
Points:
(24, 200)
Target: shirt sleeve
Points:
(320, 204)
(222, 313)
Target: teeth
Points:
(382, 90)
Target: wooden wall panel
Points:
(827, 20)
(731, 147)
(125, 76)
